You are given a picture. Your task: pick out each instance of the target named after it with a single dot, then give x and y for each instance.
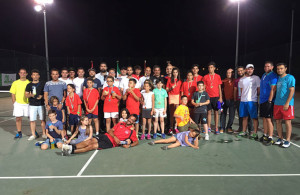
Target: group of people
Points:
(118, 103)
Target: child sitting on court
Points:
(182, 115)
(85, 130)
(54, 130)
(124, 115)
(187, 138)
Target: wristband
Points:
(78, 112)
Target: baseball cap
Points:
(249, 66)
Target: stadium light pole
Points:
(237, 35)
(41, 6)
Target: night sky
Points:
(85, 28)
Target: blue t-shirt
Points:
(267, 80)
(55, 89)
(282, 92)
(52, 132)
(97, 84)
(58, 113)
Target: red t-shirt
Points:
(132, 105)
(188, 89)
(111, 104)
(212, 83)
(122, 133)
(72, 103)
(90, 96)
(137, 77)
(176, 90)
(198, 78)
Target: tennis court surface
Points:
(232, 167)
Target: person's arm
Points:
(191, 121)
(178, 116)
(13, 98)
(153, 103)
(68, 110)
(86, 106)
(135, 96)
(95, 105)
(73, 136)
(111, 133)
(196, 142)
(291, 94)
(205, 103)
(63, 116)
(135, 143)
(272, 92)
(125, 95)
(79, 109)
(165, 110)
(28, 94)
(60, 105)
(234, 93)
(186, 140)
(220, 92)
(46, 100)
(49, 136)
(194, 103)
(56, 130)
(91, 133)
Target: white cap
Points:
(249, 66)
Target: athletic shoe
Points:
(209, 129)
(69, 132)
(31, 138)
(154, 135)
(242, 134)
(229, 130)
(269, 142)
(176, 131)
(164, 148)
(151, 143)
(67, 149)
(286, 144)
(163, 136)
(221, 131)
(148, 136)
(44, 136)
(217, 132)
(170, 132)
(97, 133)
(18, 135)
(263, 138)
(36, 135)
(142, 137)
(278, 142)
(254, 136)
(206, 137)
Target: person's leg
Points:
(85, 144)
(32, 127)
(265, 126)
(108, 122)
(149, 125)
(137, 128)
(245, 123)
(223, 118)
(270, 127)
(240, 118)
(176, 144)
(144, 126)
(44, 146)
(205, 128)
(209, 118)
(162, 123)
(166, 141)
(255, 124)
(19, 124)
(288, 126)
(172, 110)
(279, 128)
(72, 128)
(231, 115)
(155, 124)
(175, 122)
(114, 120)
(43, 126)
(216, 113)
(96, 121)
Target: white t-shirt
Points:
(121, 77)
(147, 99)
(67, 81)
(142, 80)
(101, 77)
(249, 87)
(116, 84)
(78, 82)
(124, 84)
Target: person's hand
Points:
(105, 93)
(48, 107)
(196, 147)
(128, 141)
(67, 142)
(152, 111)
(126, 146)
(113, 94)
(173, 87)
(59, 106)
(286, 107)
(39, 97)
(51, 126)
(132, 128)
(192, 122)
(181, 118)
(88, 110)
(117, 140)
(52, 140)
(220, 100)
(63, 120)
(164, 112)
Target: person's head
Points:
(132, 83)
(229, 73)
(156, 70)
(175, 74)
(194, 133)
(281, 69)
(64, 72)
(70, 88)
(80, 72)
(103, 67)
(72, 72)
(137, 70)
(184, 100)
(35, 75)
(189, 76)
(268, 66)
(211, 67)
(200, 85)
(112, 72)
(54, 101)
(124, 113)
(52, 115)
(148, 86)
(90, 82)
(249, 69)
(159, 83)
(123, 71)
(131, 119)
(147, 71)
(92, 72)
(110, 80)
(54, 74)
(22, 73)
(240, 71)
(129, 70)
(169, 69)
(195, 69)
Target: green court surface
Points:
(237, 167)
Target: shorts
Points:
(20, 110)
(187, 127)
(37, 110)
(200, 117)
(173, 99)
(146, 113)
(73, 119)
(279, 113)
(159, 112)
(138, 119)
(111, 114)
(248, 108)
(90, 116)
(213, 105)
(266, 109)
(103, 142)
(57, 140)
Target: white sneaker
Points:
(97, 133)
(44, 136)
(31, 138)
(69, 132)
(206, 137)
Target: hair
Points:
(241, 67)
(195, 65)
(123, 68)
(112, 69)
(137, 67)
(87, 131)
(80, 68)
(71, 85)
(159, 80)
(189, 71)
(129, 67)
(35, 71)
(103, 63)
(71, 69)
(54, 69)
(89, 79)
(172, 77)
(132, 79)
(281, 64)
(184, 96)
(211, 63)
(196, 131)
(64, 68)
(51, 112)
(53, 98)
(269, 62)
(200, 82)
(126, 110)
(149, 82)
(22, 69)
(156, 66)
(110, 77)
(135, 116)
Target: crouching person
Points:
(122, 134)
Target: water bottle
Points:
(123, 143)
(34, 90)
(53, 145)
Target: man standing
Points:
(169, 69)
(97, 83)
(250, 87)
(64, 76)
(267, 84)
(78, 82)
(157, 75)
(144, 78)
(72, 74)
(103, 72)
(124, 83)
(19, 100)
(123, 73)
(112, 72)
(284, 104)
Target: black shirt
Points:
(39, 88)
(200, 99)
(154, 78)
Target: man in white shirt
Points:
(64, 76)
(112, 72)
(250, 88)
(144, 78)
(103, 72)
(78, 82)
(125, 81)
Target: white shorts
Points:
(159, 113)
(37, 110)
(20, 110)
(111, 115)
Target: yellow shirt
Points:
(182, 111)
(18, 88)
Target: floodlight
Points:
(38, 8)
(44, 2)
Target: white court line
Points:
(87, 163)
(158, 175)
(8, 119)
(6, 111)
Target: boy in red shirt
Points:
(91, 99)
(111, 96)
(195, 70)
(132, 97)
(73, 103)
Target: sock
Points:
(265, 135)
(271, 137)
(19, 132)
(73, 148)
(97, 133)
(206, 133)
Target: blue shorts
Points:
(73, 119)
(90, 116)
(248, 108)
(57, 140)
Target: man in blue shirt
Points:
(284, 104)
(267, 84)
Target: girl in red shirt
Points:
(188, 88)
